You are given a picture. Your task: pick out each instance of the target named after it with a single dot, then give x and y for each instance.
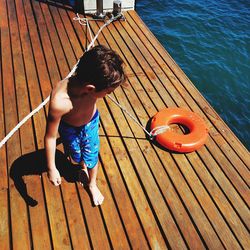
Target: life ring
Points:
(183, 143)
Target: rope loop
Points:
(158, 130)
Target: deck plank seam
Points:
(59, 38)
(72, 57)
(200, 205)
(84, 217)
(220, 166)
(143, 188)
(163, 196)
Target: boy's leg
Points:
(83, 175)
(94, 190)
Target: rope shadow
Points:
(35, 164)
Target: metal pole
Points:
(99, 8)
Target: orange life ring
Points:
(184, 143)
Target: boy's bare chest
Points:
(81, 112)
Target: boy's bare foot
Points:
(96, 195)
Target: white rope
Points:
(159, 130)
(131, 116)
(154, 132)
(23, 121)
(103, 26)
(84, 21)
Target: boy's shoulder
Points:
(60, 102)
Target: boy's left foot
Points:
(96, 195)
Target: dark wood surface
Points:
(153, 198)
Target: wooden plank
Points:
(157, 202)
(203, 224)
(77, 222)
(231, 217)
(96, 227)
(41, 40)
(4, 224)
(66, 45)
(50, 38)
(224, 184)
(4, 191)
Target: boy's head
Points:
(101, 67)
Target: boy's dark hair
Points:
(101, 67)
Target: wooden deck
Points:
(153, 198)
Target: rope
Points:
(85, 21)
(154, 132)
(131, 116)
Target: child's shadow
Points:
(35, 164)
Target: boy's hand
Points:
(54, 177)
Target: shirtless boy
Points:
(73, 113)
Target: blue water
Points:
(210, 40)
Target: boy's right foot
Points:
(97, 196)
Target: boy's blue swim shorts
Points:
(82, 143)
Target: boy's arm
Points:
(50, 145)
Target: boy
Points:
(73, 113)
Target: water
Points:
(210, 40)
